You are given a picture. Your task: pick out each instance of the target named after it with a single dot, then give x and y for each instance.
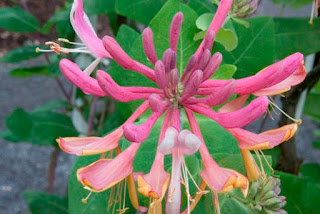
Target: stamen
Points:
(263, 174)
(55, 47)
(85, 200)
(312, 12)
(72, 43)
(299, 121)
(264, 157)
(92, 66)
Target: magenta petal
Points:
(111, 88)
(212, 66)
(192, 85)
(105, 173)
(235, 119)
(218, 95)
(271, 75)
(175, 30)
(234, 105)
(124, 60)
(148, 45)
(140, 133)
(82, 26)
(75, 75)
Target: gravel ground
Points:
(31, 92)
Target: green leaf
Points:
(18, 20)
(52, 105)
(19, 123)
(39, 127)
(296, 35)
(97, 203)
(301, 194)
(295, 4)
(99, 6)
(140, 10)
(228, 38)
(310, 171)
(201, 6)
(255, 49)
(29, 72)
(311, 107)
(203, 22)
(316, 144)
(20, 54)
(44, 203)
(241, 22)
(224, 72)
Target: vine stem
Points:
(52, 168)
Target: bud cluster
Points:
(264, 196)
(243, 8)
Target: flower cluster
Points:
(189, 91)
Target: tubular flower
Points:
(194, 92)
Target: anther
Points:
(85, 200)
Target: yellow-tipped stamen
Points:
(268, 164)
(312, 12)
(263, 174)
(55, 47)
(85, 200)
(298, 121)
(133, 195)
(186, 183)
(72, 43)
(111, 197)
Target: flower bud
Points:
(243, 8)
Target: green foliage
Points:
(20, 54)
(255, 49)
(311, 107)
(225, 71)
(18, 20)
(140, 10)
(311, 171)
(44, 203)
(29, 72)
(38, 127)
(302, 194)
(99, 6)
(296, 35)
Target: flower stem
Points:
(52, 168)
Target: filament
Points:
(291, 118)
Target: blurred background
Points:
(26, 83)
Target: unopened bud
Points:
(243, 8)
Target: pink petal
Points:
(169, 60)
(148, 45)
(169, 141)
(82, 26)
(237, 118)
(174, 32)
(218, 95)
(157, 103)
(112, 89)
(204, 60)
(75, 75)
(140, 133)
(235, 104)
(190, 67)
(265, 140)
(192, 85)
(105, 173)
(273, 75)
(296, 78)
(211, 84)
(125, 61)
(90, 145)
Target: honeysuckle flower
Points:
(194, 92)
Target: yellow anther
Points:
(63, 40)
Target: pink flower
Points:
(194, 92)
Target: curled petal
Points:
(204, 60)
(175, 30)
(105, 173)
(140, 133)
(265, 140)
(273, 75)
(155, 183)
(218, 95)
(253, 171)
(235, 119)
(124, 60)
(90, 145)
(169, 59)
(235, 104)
(111, 88)
(148, 45)
(82, 26)
(296, 78)
(222, 180)
(160, 74)
(157, 103)
(75, 75)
